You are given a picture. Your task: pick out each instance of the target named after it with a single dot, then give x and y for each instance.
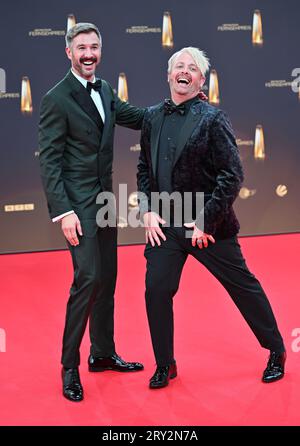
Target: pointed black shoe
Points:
(162, 376)
(275, 367)
(72, 388)
(114, 362)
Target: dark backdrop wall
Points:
(255, 89)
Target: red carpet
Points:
(219, 360)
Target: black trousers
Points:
(225, 261)
(91, 295)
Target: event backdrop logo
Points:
(257, 33)
(167, 33)
(281, 190)
(246, 193)
(122, 87)
(19, 207)
(259, 144)
(213, 95)
(71, 21)
(26, 100)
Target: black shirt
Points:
(168, 140)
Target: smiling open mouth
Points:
(88, 62)
(183, 79)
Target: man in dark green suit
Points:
(76, 132)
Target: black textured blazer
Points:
(206, 160)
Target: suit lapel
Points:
(108, 106)
(83, 98)
(189, 125)
(156, 126)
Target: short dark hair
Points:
(81, 28)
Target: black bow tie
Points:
(170, 107)
(95, 85)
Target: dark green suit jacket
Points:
(76, 150)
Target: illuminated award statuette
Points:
(122, 87)
(71, 21)
(167, 33)
(26, 101)
(2, 81)
(257, 34)
(259, 144)
(213, 94)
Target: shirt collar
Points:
(81, 79)
(190, 102)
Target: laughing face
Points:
(85, 54)
(185, 78)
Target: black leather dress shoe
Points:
(275, 367)
(72, 388)
(114, 362)
(162, 376)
